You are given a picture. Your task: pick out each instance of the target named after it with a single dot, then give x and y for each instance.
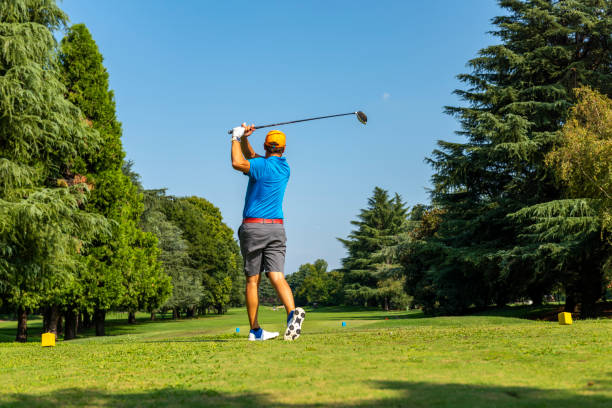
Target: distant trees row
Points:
(78, 234)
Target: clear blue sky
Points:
(184, 72)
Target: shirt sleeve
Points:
(257, 168)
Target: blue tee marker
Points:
(237, 329)
(343, 324)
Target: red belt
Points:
(262, 221)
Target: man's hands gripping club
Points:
(243, 130)
(243, 148)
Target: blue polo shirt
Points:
(267, 183)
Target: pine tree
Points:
(518, 95)
(123, 270)
(43, 138)
(376, 226)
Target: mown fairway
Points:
(407, 361)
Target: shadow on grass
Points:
(401, 394)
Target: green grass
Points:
(493, 359)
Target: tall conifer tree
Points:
(376, 227)
(123, 270)
(42, 141)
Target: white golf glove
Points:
(237, 133)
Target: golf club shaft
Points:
(301, 120)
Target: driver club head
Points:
(362, 117)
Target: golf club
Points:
(360, 116)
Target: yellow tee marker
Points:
(48, 340)
(565, 318)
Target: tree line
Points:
(521, 208)
(79, 236)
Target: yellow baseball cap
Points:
(276, 136)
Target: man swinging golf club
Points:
(262, 234)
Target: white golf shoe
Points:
(261, 335)
(294, 324)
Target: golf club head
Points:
(362, 117)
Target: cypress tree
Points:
(42, 141)
(518, 96)
(123, 270)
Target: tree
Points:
(313, 288)
(313, 284)
(573, 230)
(187, 289)
(211, 247)
(43, 138)
(376, 226)
(583, 160)
(122, 270)
(518, 96)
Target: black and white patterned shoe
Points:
(294, 325)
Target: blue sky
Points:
(186, 71)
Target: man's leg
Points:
(252, 299)
(277, 279)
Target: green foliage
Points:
(518, 95)
(43, 138)
(313, 284)
(583, 161)
(568, 236)
(377, 225)
(187, 290)
(212, 249)
(122, 271)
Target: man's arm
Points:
(247, 150)
(238, 161)
(241, 148)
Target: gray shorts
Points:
(263, 247)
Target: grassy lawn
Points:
(395, 359)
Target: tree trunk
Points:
(175, 313)
(22, 325)
(189, 312)
(86, 320)
(386, 304)
(71, 325)
(99, 316)
(46, 318)
(152, 315)
(131, 317)
(570, 304)
(53, 315)
(59, 327)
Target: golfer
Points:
(262, 233)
